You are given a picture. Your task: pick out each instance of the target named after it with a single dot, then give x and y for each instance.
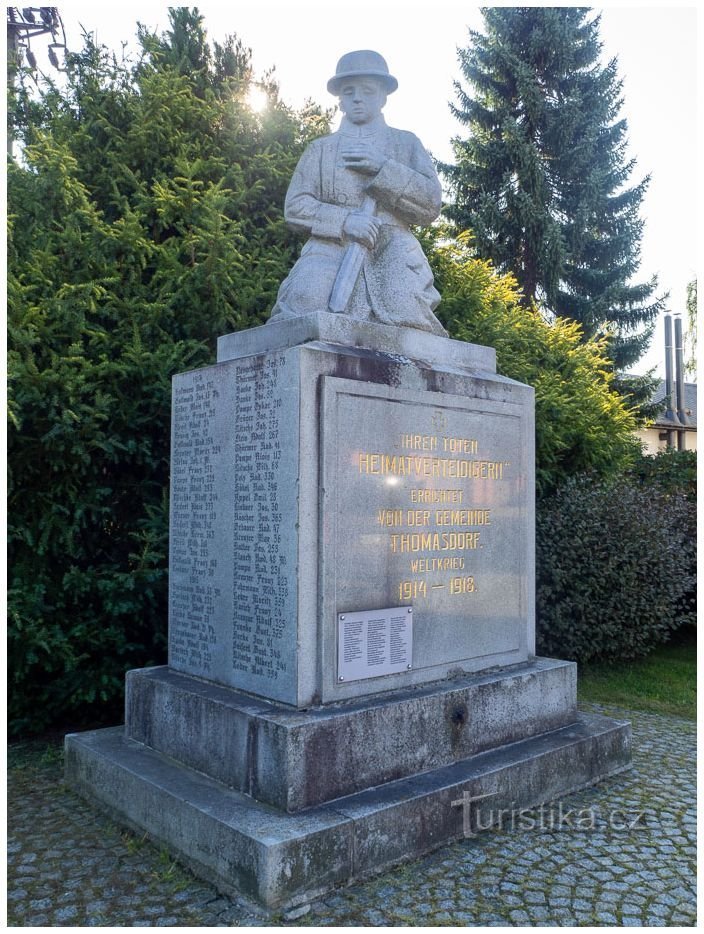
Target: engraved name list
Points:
(231, 586)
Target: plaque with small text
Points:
(373, 643)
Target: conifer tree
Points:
(542, 180)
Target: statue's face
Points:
(361, 99)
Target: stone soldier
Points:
(356, 194)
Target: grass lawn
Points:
(663, 682)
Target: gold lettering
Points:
(430, 467)
(418, 517)
(460, 445)
(390, 517)
(424, 565)
(409, 590)
(419, 442)
(462, 585)
(434, 541)
(368, 463)
(462, 517)
(437, 496)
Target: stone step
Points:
(295, 759)
(280, 860)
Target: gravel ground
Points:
(622, 853)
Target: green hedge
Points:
(616, 563)
(672, 471)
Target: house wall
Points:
(651, 439)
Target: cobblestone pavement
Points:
(627, 859)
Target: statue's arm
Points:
(410, 189)
(304, 209)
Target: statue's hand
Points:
(364, 228)
(363, 157)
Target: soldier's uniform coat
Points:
(396, 283)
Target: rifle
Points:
(350, 267)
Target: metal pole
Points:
(669, 391)
(12, 66)
(679, 383)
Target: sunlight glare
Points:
(257, 99)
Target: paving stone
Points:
(562, 915)
(614, 886)
(17, 895)
(38, 904)
(559, 891)
(683, 917)
(535, 898)
(610, 897)
(511, 887)
(513, 901)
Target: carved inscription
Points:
(439, 528)
(260, 573)
(427, 505)
(432, 512)
(194, 502)
(233, 542)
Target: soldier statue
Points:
(356, 193)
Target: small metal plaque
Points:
(373, 643)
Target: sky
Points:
(656, 48)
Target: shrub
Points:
(676, 472)
(615, 561)
(672, 471)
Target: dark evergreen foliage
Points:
(616, 562)
(542, 180)
(146, 218)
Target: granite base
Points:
(281, 860)
(297, 759)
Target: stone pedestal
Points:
(351, 616)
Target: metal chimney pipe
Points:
(669, 390)
(679, 384)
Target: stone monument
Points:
(351, 603)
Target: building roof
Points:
(690, 405)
